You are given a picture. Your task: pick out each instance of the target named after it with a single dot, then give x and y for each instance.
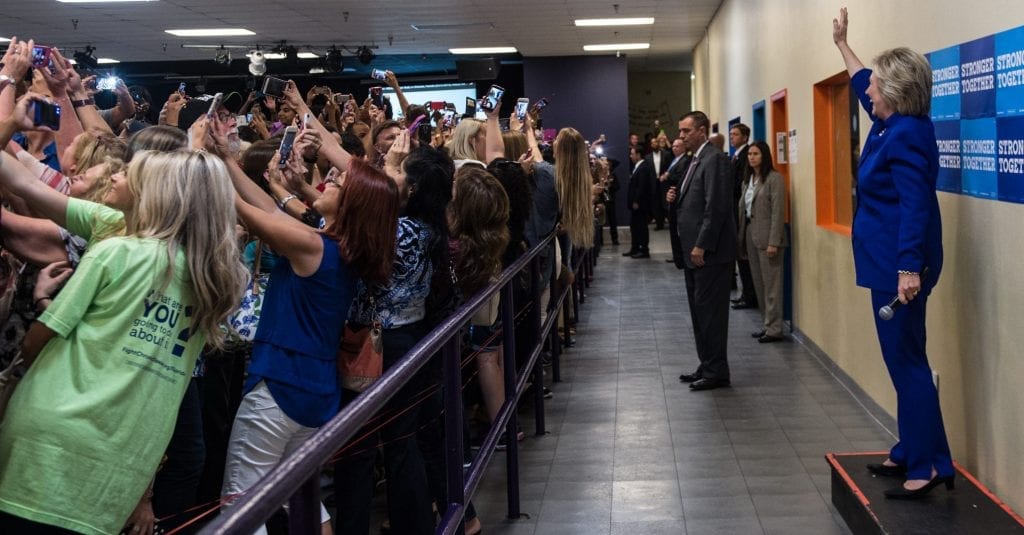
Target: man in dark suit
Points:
(658, 161)
(739, 138)
(639, 196)
(672, 178)
(707, 234)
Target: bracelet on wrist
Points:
(283, 202)
(40, 300)
(905, 272)
(84, 102)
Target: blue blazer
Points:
(897, 224)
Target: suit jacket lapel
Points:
(688, 177)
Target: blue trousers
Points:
(922, 443)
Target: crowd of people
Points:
(141, 382)
(138, 382)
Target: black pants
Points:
(678, 255)
(177, 483)
(15, 525)
(638, 228)
(409, 496)
(613, 220)
(747, 279)
(220, 390)
(707, 292)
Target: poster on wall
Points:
(978, 112)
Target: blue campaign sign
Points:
(977, 78)
(945, 83)
(1010, 72)
(978, 158)
(1010, 158)
(947, 137)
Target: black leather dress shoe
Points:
(708, 384)
(629, 253)
(767, 339)
(689, 377)
(887, 471)
(742, 305)
(901, 493)
(670, 260)
(758, 334)
(640, 254)
(737, 300)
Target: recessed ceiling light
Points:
(307, 55)
(485, 50)
(106, 60)
(211, 32)
(615, 22)
(99, 1)
(613, 48)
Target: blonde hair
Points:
(515, 144)
(102, 183)
(573, 182)
(93, 150)
(461, 146)
(905, 80)
(186, 200)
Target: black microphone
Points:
(886, 312)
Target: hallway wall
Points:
(754, 49)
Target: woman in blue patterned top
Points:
(425, 185)
(897, 249)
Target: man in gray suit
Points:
(707, 234)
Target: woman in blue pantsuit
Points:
(897, 249)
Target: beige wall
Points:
(976, 334)
(658, 95)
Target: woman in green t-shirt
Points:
(109, 360)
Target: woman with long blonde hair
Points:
(110, 359)
(573, 182)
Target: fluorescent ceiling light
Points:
(211, 32)
(4, 40)
(485, 50)
(271, 55)
(615, 48)
(307, 55)
(106, 60)
(615, 22)
(100, 1)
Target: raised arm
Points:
(392, 82)
(531, 139)
(330, 148)
(19, 180)
(36, 241)
(495, 144)
(839, 27)
(17, 61)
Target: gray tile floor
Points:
(631, 450)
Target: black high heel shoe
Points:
(885, 470)
(901, 493)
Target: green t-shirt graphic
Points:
(87, 426)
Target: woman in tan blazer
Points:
(762, 235)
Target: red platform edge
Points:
(831, 458)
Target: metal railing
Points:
(296, 479)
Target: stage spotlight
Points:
(86, 60)
(257, 63)
(365, 55)
(334, 60)
(222, 56)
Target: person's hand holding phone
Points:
(294, 99)
(308, 144)
(514, 124)
(18, 59)
(397, 153)
(494, 113)
(23, 115)
(259, 124)
(391, 80)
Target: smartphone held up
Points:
(490, 101)
(287, 142)
(46, 114)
